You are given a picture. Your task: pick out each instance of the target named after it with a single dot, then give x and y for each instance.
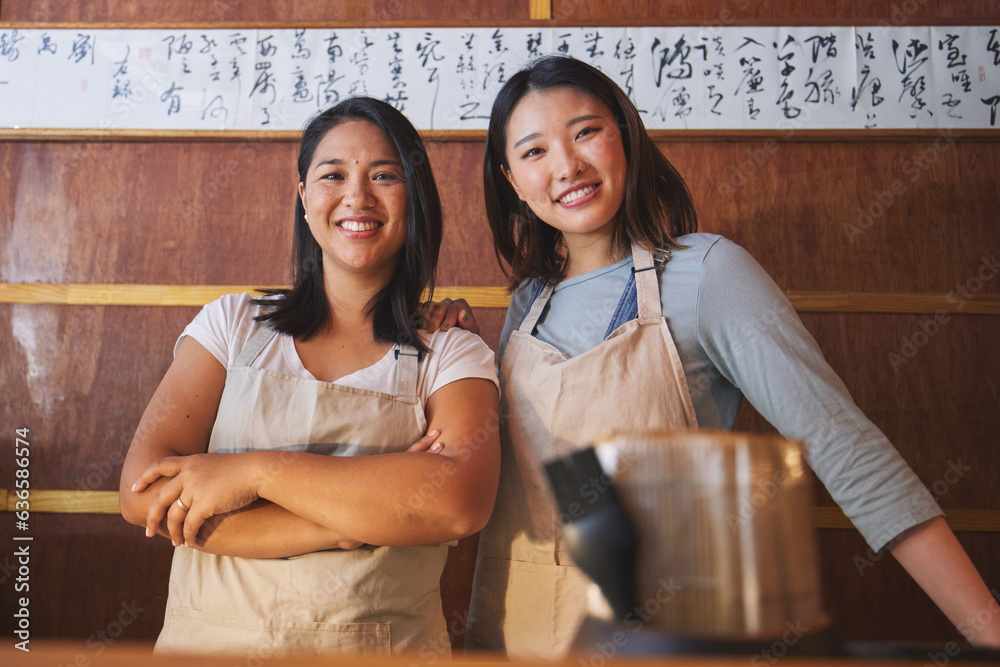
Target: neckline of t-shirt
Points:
(295, 363)
(590, 275)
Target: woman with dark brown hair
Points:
(623, 318)
(282, 450)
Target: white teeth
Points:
(576, 194)
(355, 226)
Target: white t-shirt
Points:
(225, 325)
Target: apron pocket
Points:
(532, 610)
(194, 631)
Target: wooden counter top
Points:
(77, 654)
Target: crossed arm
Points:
(270, 504)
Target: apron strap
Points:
(535, 311)
(641, 297)
(531, 301)
(647, 286)
(255, 346)
(406, 370)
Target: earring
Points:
(305, 216)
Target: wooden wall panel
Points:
(872, 599)
(735, 12)
(79, 378)
(467, 256)
(91, 574)
(716, 12)
(940, 406)
(176, 208)
(869, 216)
(192, 213)
(171, 213)
(367, 12)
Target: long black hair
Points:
(657, 206)
(303, 310)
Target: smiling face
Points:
(567, 162)
(355, 200)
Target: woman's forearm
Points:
(265, 530)
(408, 498)
(937, 562)
(399, 499)
(389, 499)
(259, 530)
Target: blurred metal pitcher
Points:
(726, 544)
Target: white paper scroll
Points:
(446, 78)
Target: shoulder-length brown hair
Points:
(657, 206)
(303, 310)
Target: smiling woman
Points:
(635, 323)
(569, 168)
(356, 192)
(280, 450)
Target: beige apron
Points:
(371, 600)
(528, 599)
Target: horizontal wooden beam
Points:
(106, 502)
(50, 134)
(892, 302)
(86, 294)
(540, 10)
(64, 502)
(969, 521)
(555, 21)
(56, 134)
(81, 294)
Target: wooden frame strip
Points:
(893, 302)
(106, 502)
(540, 10)
(190, 295)
(550, 22)
(963, 520)
(443, 136)
(65, 502)
(80, 294)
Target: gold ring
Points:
(180, 503)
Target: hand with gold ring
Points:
(222, 483)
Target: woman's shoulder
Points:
(224, 325)
(712, 257)
(699, 246)
(451, 340)
(456, 354)
(236, 307)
